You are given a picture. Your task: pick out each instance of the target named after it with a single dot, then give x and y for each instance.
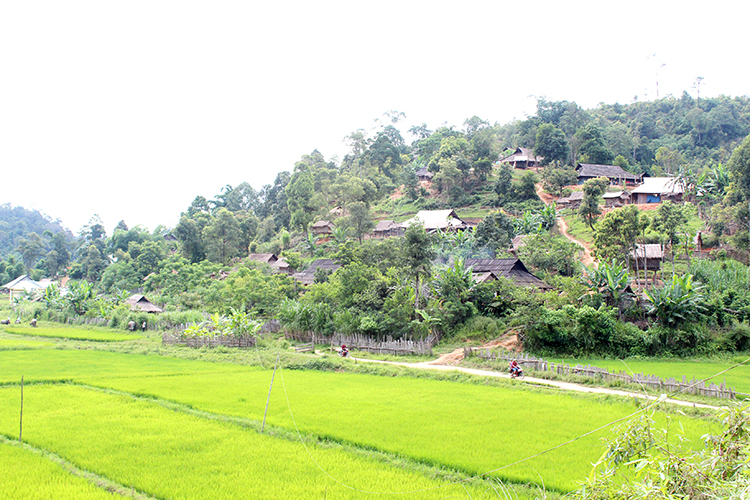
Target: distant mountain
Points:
(17, 222)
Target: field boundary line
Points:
(92, 478)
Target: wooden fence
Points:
(385, 345)
(208, 341)
(668, 385)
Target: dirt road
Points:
(567, 386)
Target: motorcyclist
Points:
(515, 370)
(344, 351)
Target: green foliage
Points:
(677, 303)
(551, 144)
(494, 233)
(551, 253)
(645, 462)
(610, 280)
(616, 233)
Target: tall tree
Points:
(551, 144)
(222, 237)
(299, 195)
(418, 254)
(739, 165)
(593, 189)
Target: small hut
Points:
(386, 228)
(424, 175)
(141, 303)
(648, 256)
(323, 228)
(616, 199)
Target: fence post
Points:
(20, 430)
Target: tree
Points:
(504, 183)
(222, 237)
(551, 144)
(359, 219)
(593, 149)
(417, 254)
(299, 197)
(189, 232)
(494, 232)
(556, 177)
(593, 189)
(525, 187)
(616, 233)
(670, 220)
(30, 248)
(739, 165)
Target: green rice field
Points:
(737, 377)
(29, 475)
(95, 335)
(205, 416)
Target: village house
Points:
(647, 257)
(615, 174)
(387, 228)
(424, 175)
(434, 220)
(616, 198)
(307, 277)
(521, 158)
(657, 190)
(24, 285)
(141, 303)
(277, 263)
(484, 270)
(322, 228)
(573, 201)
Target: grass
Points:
(577, 228)
(75, 333)
(168, 454)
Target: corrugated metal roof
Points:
(610, 171)
(649, 250)
(435, 219)
(658, 185)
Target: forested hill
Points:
(17, 224)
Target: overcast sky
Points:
(131, 109)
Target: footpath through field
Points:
(568, 386)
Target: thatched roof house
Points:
(573, 201)
(615, 174)
(307, 277)
(277, 263)
(512, 269)
(266, 258)
(656, 190)
(432, 220)
(648, 256)
(387, 228)
(521, 158)
(141, 303)
(322, 228)
(423, 174)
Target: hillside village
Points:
(480, 282)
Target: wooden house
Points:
(573, 201)
(307, 277)
(521, 158)
(615, 174)
(322, 228)
(25, 285)
(616, 198)
(512, 269)
(423, 174)
(266, 258)
(386, 228)
(141, 303)
(657, 190)
(648, 256)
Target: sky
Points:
(129, 110)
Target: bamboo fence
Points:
(669, 385)
(359, 342)
(242, 341)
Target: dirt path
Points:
(567, 386)
(587, 259)
(546, 198)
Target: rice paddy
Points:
(95, 335)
